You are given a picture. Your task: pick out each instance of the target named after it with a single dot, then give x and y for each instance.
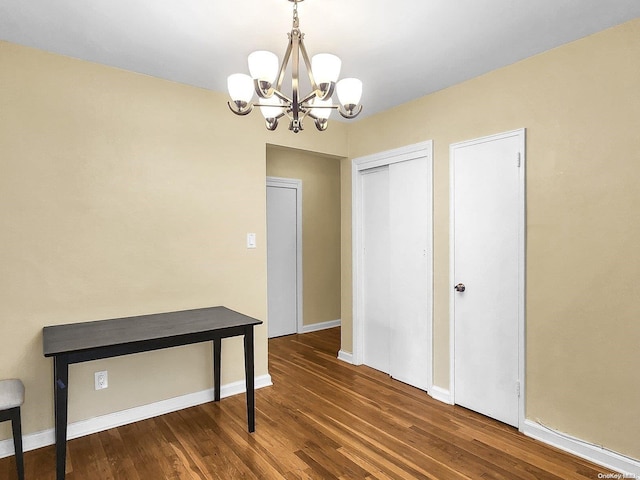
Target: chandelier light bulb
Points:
(349, 91)
(325, 68)
(263, 66)
(322, 113)
(271, 107)
(240, 87)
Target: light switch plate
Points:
(251, 240)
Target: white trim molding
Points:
(580, 448)
(314, 327)
(441, 394)
(44, 438)
(346, 357)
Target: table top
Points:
(73, 337)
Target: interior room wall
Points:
(581, 108)
(122, 194)
(320, 175)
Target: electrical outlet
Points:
(101, 380)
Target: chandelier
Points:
(266, 81)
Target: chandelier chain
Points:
(296, 21)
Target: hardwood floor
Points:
(322, 419)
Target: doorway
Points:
(487, 271)
(284, 256)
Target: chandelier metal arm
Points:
(240, 108)
(321, 107)
(308, 98)
(285, 62)
(272, 123)
(261, 88)
(282, 97)
(307, 64)
(295, 71)
(349, 114)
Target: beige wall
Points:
(581, 108)
(320, 175)
(122, 194)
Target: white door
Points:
(282, 258)
(375, 231)
(487, 217)
(410, 279)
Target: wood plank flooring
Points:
(322, 419)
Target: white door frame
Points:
(409, 152)
(520, 133)
(295, 184)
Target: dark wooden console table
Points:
(82, 342)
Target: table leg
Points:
(217, 355)
(249, 376)
(16, 427)
(60, 399)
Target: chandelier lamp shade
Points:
(267, 76)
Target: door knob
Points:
(460, 287)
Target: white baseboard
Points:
(575, 446)
(580, 448)
(124, 417)
(440, 394)
(314, 327)
(345, 356)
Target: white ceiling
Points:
(400, 49)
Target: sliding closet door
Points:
(375, 231)
(395, 266)
(410, 263)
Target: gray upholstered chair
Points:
(11, 398)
